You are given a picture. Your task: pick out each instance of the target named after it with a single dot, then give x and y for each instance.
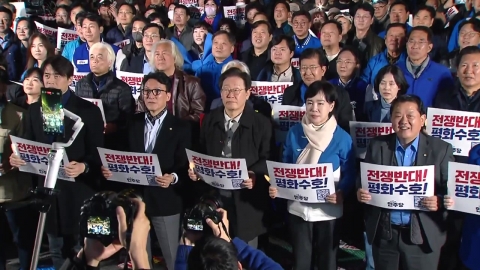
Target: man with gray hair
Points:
(188, 98)
(101, 83)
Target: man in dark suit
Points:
(158, 132)
(63, 218)
(235, 130)
(408, 239)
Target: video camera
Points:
(98, 217)
(196, 218)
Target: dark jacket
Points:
(356, 89)
(117, 34)
(252, 141)
(64, 215)
(368, 47)
(250, 257)
(188, 97)
(343, 110)
(131, 58)
(255, 66)
(426, 226)
(186, 37)
(13, 55)
(173, 139)
(265, 74)
(118, 104)
(456, 99)
(12, 183)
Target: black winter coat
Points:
(252, 141)
(118, 105)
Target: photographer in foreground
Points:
(94, 252)
(220, 252)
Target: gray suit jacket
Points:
(431, 151)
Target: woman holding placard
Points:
(319, 140)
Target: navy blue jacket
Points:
(13, 54)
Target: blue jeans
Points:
(22, 223)
(61, 247)
(368, 254)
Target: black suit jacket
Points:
(174, 137)
(431, 151)
(252, 141)
(65, 214)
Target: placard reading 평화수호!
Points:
(464, 187)
(398, 187)
(459, 128)
(35, 154)
(131, 168)
(222, 173)
(363, 132)
(308, 183)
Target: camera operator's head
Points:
(213, 253)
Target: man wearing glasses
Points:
(302, 22)
(381, 15)
(157, 131)
(313, 65)
(424, 77)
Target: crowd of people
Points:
(379, 61)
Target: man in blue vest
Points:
(92, 29)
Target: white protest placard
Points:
(464, 187)
(271, 92)
(64, 36)
(77, 76)
(131, 168)
(285, 117)
(363, 132)
(308, 183)
(35, 155)
(48, 31)
(222, 173)
(398, 187)
(134, 80)
(99, 104)
(459, 128)
(295, 62)
(122, 43)
(236, 13)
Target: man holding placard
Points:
(62, 224)
(235, 131)
(403, 237)
(158, 131)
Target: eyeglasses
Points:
(311, 68)
(364, 17)
(469, 34)
(235, 91)
(151, 36)
(379, 7)
(415, 42)
(154, 92)
(125, 13)
(346, 62)
(297, 24)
